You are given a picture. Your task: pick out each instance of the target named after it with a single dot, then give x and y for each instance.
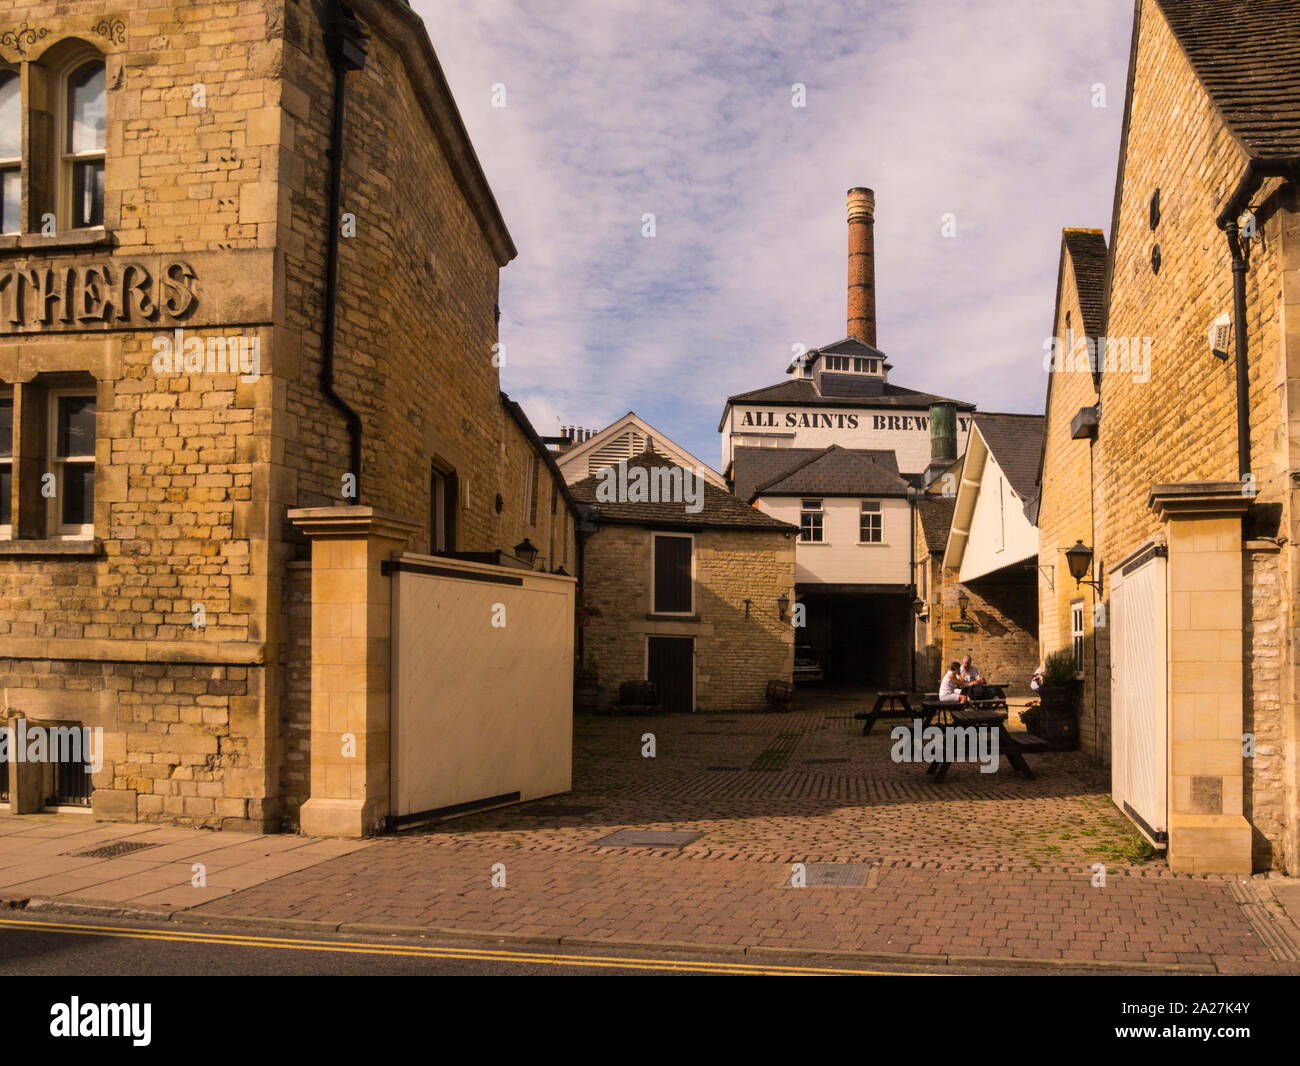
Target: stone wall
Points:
(735, 655)
(1180, 426)
(1004, 645)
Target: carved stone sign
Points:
(120, 293)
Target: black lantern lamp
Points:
(918, 605)
(1079, 560)
(963, 601)
(525, 552)
(782, 605)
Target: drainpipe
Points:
(345, 43)
(1228, 221)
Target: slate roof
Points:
(1087, 249)
(751, 467)
(1247, 55)
(801, 392)
(1016, 442)
(721, 509)
(935, 513)
(835, 471)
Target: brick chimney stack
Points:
(862, 265)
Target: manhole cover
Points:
(722, 768)
(836, 874)
(641, 838)
(822, 762)
(111, 851)
(556, 810)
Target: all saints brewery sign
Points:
(797, 419)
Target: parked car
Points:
(807, 664)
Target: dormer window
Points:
(852, 364)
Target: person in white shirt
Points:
(970, 673)
(950, 688)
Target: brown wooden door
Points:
(672, 668)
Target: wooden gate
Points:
(482, 685)
(1139, 709)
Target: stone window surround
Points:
(46, 179)
(33, 530)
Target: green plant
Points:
(1058, 669)
(587, 666)
(1031, 716)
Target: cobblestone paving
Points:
(839, 797)
(982, 865)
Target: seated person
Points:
(950, 688)
(970, 674)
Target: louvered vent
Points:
(622, 447)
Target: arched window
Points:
(84, 119)
(11, 152)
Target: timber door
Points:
(1139, 713)
(670, 664)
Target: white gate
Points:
(482, 685)
(1139, 708)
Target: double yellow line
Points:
(470, 954)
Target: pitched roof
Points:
(1247, 55)
(1087, 248)
(547, 456)
(1015, 441)
(720, 510)
(801, 392)
(835, 471)
(935, 513)
(751, 467)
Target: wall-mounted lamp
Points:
(782, 605)
(963, 601)
(525, 552)
(918, 605)
(1079, 559)
(748, 605)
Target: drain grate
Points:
(708, 733)
(837, 874)
(556, 810)
(822, 762)
(111, 851)
(641, 838)
(720, 721)
(722, 768)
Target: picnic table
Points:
(887, 705)
(975, 714)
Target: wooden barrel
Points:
(780, 693)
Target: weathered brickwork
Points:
(1180, 426)
(1065, 513)
(735, 656)
(218, 122)
(1004, 645)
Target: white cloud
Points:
(684, 110)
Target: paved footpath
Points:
(982, 867)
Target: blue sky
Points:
(683, 110)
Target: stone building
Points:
(988, 597)
(693, 594)
(229, 325)
(1194, 463)
(840, 450)
(1063, 507)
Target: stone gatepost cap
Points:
(351, 522)
(1200, 497)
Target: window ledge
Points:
(51, 547)
(672, 617)
(14, 244)
(873, 544)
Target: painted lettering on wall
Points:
(121, 294)
(905, 423)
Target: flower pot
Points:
(1058, 721)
